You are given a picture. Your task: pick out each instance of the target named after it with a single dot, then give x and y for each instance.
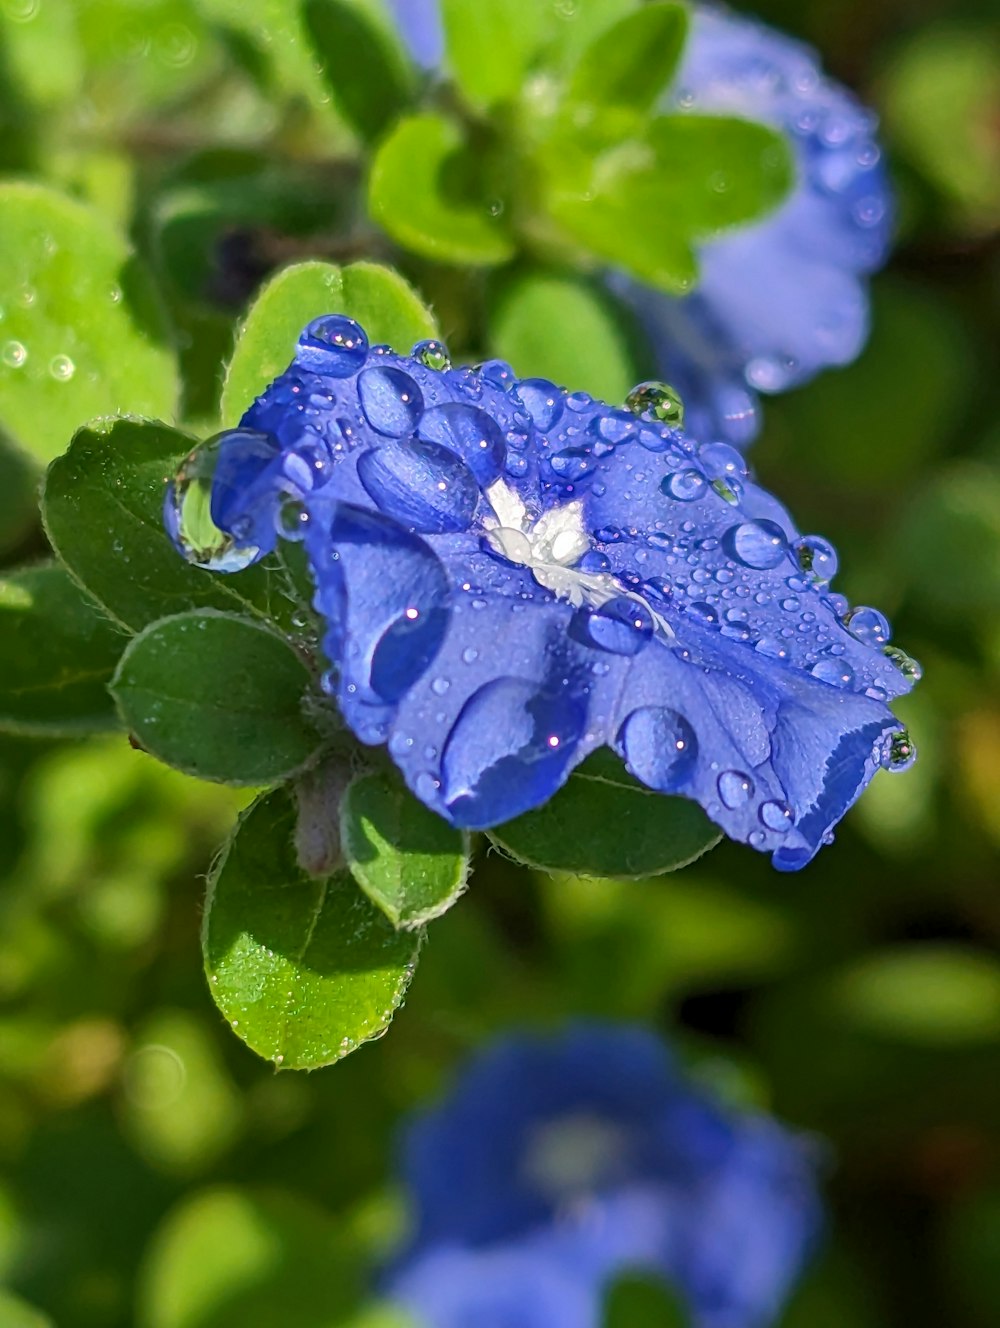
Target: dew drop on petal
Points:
(777, 816)
(660, 747)
(900, 752)
(658, 401)
(685, 485)
(735, 788)
(833, 671)
(868, 625)
(623, 626)
(188, 516)
(542, 400)
(757, 544)
(332, 345)
(391, 400)
(818, 557)
(432, 354)
(907, 665)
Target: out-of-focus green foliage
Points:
(186, 177)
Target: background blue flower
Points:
(512, 576)
(557, 1162)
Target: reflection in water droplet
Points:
(659, 747)
(685, 485)
(14, 354)
(818, 557)
(906, 664)
(868, 625)
(188, 516)
(900, 752)
(659, 401)
(432, 354)
(62, 368)
(333, 345)
(728, 490)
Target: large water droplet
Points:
(735, 788)
(685, 485)
(899, 753)
(623, 626)
(658, 401)
(422, 485)
(833, 671)
(777, 816)
(542, 400)
(508, 750)
(757, 544)
(332, 345)
(391, 401)
(722, 461)
(188, 515)
(469, 433)
(572, 463)
(432, 354)
(659, 747)
(818, 557)
(868, 625)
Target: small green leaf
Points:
(635, 1300)
(490, 45)
(363, 65)
(604, 823)
(103, 510)
(217, 696)
(18, 495)
(304, 969)
(57, 655)
(41, 47)
(275, 1259)
(564, 328)
(83, 332)
(431, 191)
(631, 63)
(577, 26)
(408, 861)
(379, 299)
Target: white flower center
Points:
(552, 548)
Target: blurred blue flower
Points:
(419, 23)
(511, 577)
(557, 1163)
(787, 296)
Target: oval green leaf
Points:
(103, 511)
(490, 45)
(83, 332)
(410, 863)
(57, 655)
(379, 299)
(631, 63)
(363, 65)
(602, 822)
(305, 969)
(431, 192)
(217, 696)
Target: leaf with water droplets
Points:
(217, 696)
(632, 62)
(408, 861)
(604, 823)
(376, 297)
(362, 62)
(103, 511)
(83, 333)
(432, 193)
(305, 969)
(57, 655)
(566, 329)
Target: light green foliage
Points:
(631, 63)
(567, 329)
(490, 45)
(362, 62)
(83, 333)
(57, 655)
(381, 301)
(408, 861)
(604, 823)
(217, 696)
(635, 1301)
(305, 969)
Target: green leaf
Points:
(17, 1313)
(408, 861)
(217, 696)
(304, 969)
(635, 1300)
(363, 65)
(631, 63)
(103, 511)
(641, 194)
(432, 192)
(602, 822)
(379, 299)
(18, 495)
(83, 332)
(564, 328)
(490, 45)
(577, 26)
(275, 1259)
(57, 655)
(41, 48)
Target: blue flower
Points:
(511, 576)
(557, 1163)
(785, 297)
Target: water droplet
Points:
(833, 671)
(704, 613)
(188, 515)
(333, 345)
(62, 368)
(572, 463)
(777, 816)
(470, 434)
(658, 401)
(14, 354)
(818, 557)
(735, 788)
(659, 747)
(432, 354)
(423, 485)
(900, 752)
(623, 626)
(722, 461)
(757, 544)
(728, 490)
(292, 519)
(685, 485)
(391, 400)
(542, 400)
(906, 664)
(868, 625)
